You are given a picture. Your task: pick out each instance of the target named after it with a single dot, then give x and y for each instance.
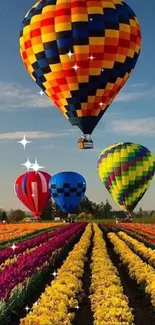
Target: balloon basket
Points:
(85, 144)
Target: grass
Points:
(135, 220)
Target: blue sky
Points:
(131, 117)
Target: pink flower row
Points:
(27, 265)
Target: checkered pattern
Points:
(126, 170)
(67, 190)
(107, 30)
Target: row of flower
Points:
(142, 272)
(23, 246)
(16, 277)
(57, 304)
(142, 236)
(13, 231)
(135, 234)
(109, 304)
(142, 229)
(139, 248)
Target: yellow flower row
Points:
(147, 253)
(109, 304)
(53, 307)
(12, 231)
(142, 272)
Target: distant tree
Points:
(3, 216)
(47, 213)
(16, 216)
(101, 211)
(52, 211)
(86, 206)
(107, 210)
(58, 213)
(140, 213)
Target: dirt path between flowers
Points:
(21, 313)
(84, 315)
(142, 308)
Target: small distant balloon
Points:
(126, 169)
(32, 190)
(67, 190)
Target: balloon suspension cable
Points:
(85, 142)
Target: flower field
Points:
(80, 274)
(14, 231)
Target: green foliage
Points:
(16, 216)
(3, 216)
(51, 211)
(100, 211)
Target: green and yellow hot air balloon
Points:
(126, 169)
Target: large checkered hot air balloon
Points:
(32, 190)
(67, 190)
(126, 169)
(80, 53)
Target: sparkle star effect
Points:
(35, 166)
(27, 308)
(75, 67)
(70, 54)
(41, 93)
(101, 104)
(91, 57)
(24, 142)
(102, 70)
(91, 19)
(54, 274)
(27, 164)
(13, 247)
(77, 307)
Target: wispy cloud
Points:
(32, 135)
(14, 96)
(142, 126)
(134, 95)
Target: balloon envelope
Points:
(32, 190)
(80, 53)
(67, 189)
(126, 170)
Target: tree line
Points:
(87, 209)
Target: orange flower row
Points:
(13, 231)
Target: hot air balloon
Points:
(67, 190)
(80, 53)
(32, 190)
(126, 169)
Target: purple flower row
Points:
(27, 264)
(30, 243)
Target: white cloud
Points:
(142, 126)
(32, 135)
(14, 96)
(134, 95)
